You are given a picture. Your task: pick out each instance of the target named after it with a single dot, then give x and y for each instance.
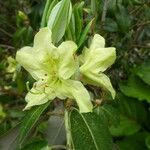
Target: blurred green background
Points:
(125, 24)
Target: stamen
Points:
(29, 90)
(27, 86)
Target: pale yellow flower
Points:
(52, 67)
(95, 60)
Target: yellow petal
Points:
(97, 42)
(39, 95)
(43, 38)
(99, 60)
(75, 90)
(67, 64)
(27, 58)
(96, 60)
(100, 80)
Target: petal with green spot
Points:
(39, 95)
(26, 58)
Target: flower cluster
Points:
(55, 69)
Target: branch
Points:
(5, 32)
(104, 11)
(7, 46)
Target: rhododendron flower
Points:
(95, 61)
(52, 68)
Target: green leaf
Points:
(59, 19)
(29, 121)
(4, 127)
(89, 131)
(78, 14)
(147, 141)
(132, 115)
(75, 26)
(95, 7)
(70, 31)
(37, 145)
(83, 36)
(133, 142)
(131, 108)
(47, 6)
(15, 113)
(112, 6)
(110, 25)
(23, 36)
(126, 127)
(109, 112)
(53, 3)
(136, 88)
(144, 73)
(123, 19)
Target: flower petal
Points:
(42, 38)
(27, 58)
(75, 90)
(67, 63)
(39, 95)
(98, 60)
(84, 56)
(43, 44)
(97, 42)
(100, 80)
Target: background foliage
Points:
(125, 24)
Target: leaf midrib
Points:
(96, 146)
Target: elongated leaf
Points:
(78, 14)
(47, 5)
(54, 2)
(70, 31)
(59, 19)
(89, 131)
(29, 121)
(93, 6)
(48, 8)
(83, 36)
